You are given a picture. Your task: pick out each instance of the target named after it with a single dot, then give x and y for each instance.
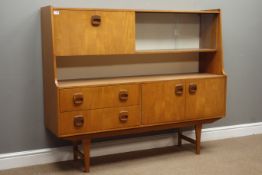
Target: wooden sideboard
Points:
(82, 109)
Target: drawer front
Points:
(83, 32)
(99, 97)
(80, 122)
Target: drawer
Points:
(85, 32)
(99, 97)
(79, 122)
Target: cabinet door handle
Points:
(123, 116)
(79, 121)
(192, 88)
(78, 98)
(123, 95)
(179, 89)
(96, 20)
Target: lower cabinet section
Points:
(80, 122)
(162, 102)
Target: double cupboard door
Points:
(182, 100)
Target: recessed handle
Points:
(96, 20)
(192, 88)
(123, 116)
(123, 95)
(78, 98)
(179, 89)
(79, 121)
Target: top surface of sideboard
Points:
(214, 11)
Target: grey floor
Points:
(237, 156)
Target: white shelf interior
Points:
(173, 31)
(167, 31)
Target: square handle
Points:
(78, 99)
(192, 88)
(123, 116)
(79, 121)
(179, 89)
(123, 95)
(96, 20)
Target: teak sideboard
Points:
(82, 109)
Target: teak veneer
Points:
(82, 109)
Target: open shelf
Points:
(133, 79)
(104, 66)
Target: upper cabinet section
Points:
(90, 32)
(77, 32)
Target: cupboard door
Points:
(205, 98)
(163, 102)
(82, 32)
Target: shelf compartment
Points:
(176, 32)
(90, 67)
(134, 79)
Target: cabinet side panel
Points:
(208, 31)
(213, 62)
(49, 76)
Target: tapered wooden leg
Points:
(179, 139)
(75, 150)
(86, 157)
(198, 129)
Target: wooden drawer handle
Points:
(96, 20)
(78, 98)
(123, 95)
(79, 121)
(123, 116)
(179, 89)
(192, 88)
